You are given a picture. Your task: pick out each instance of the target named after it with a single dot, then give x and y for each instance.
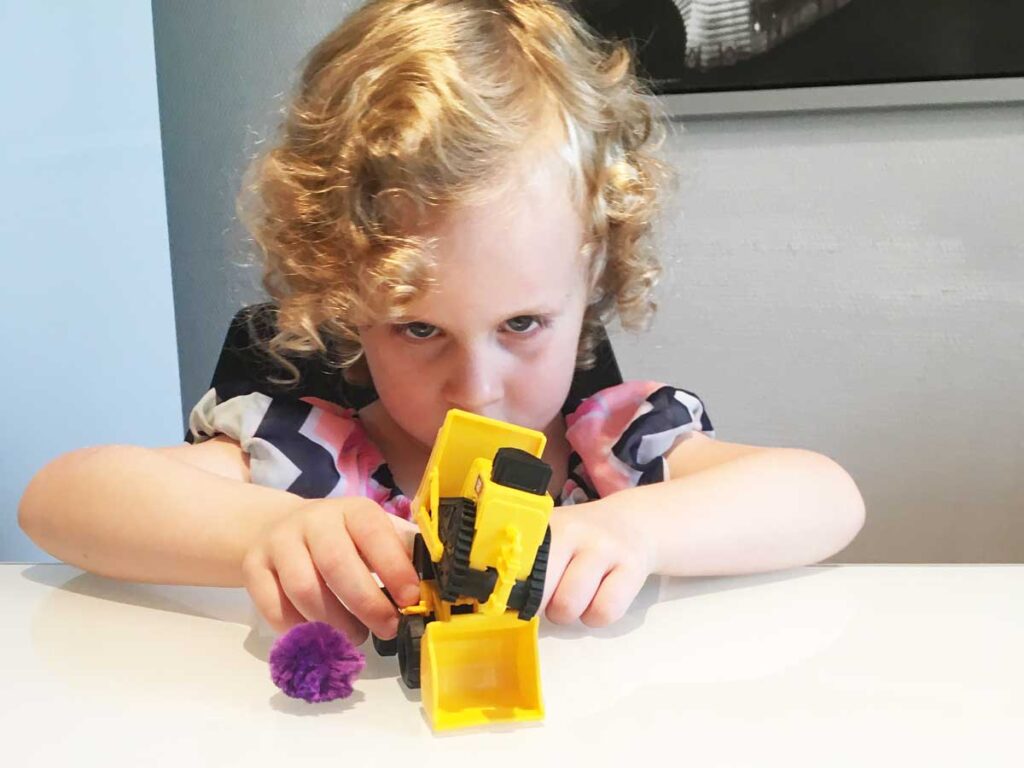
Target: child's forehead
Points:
(536, 180)
(529, 217)
(520, 250)
(545, 163)
(498, 286)
(514, 243)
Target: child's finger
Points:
(381, 547)
(346, 575)
(269, 598)
(577, 587)
(558, 558)
(310, 594)
(406, 531)
(614, 596)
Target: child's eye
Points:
(523, 324)
(418, 331)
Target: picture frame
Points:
(711, 57)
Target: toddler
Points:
(458, 202)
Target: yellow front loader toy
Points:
(481, 553)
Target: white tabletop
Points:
(822, 666)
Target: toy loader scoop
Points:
(482, 509)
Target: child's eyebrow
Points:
(537, 311)
(546, 311)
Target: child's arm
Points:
(728, 509)
(184, 515)
(138, 514)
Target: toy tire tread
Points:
(454, 569)
(535, 581)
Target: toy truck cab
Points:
(482, 509)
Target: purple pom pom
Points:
(315, 662)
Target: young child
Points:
(458, 203)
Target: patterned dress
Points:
(314, 448)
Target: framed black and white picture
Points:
(714, 56)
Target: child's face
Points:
(498, 333)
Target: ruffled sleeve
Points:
(307, 446)
(623, 433)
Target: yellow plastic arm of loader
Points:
(508, 565)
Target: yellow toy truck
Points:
(481, 553)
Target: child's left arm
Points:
(727, 509)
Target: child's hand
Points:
(316, 563)
(597, 564)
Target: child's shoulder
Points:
(245, 365)
(616, 406)
(623, 432)
(306, 445)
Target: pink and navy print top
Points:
(317, 449)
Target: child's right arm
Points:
(187, 515)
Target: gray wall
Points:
(223, 71)
(854, 284)
(848, 282)
(87, 325)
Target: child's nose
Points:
(474, 384)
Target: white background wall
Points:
(87, 327)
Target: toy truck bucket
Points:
(478, 670)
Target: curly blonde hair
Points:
(424, 104)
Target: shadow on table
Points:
(232, 605)
(95, 633)
(662, 589)
(218, 603)
(279, 702)
(229, 605)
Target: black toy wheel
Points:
(410, 636)
(535, 582)
(385, 647)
